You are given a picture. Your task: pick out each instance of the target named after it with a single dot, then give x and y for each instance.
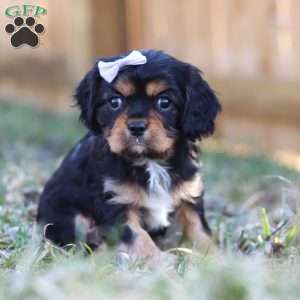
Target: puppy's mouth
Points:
(140, 140)
(137, 145)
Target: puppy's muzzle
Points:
(137, 127)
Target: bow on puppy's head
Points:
(144, 102)
(109, 70)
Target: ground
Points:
(252, 205)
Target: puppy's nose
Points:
(137, 127)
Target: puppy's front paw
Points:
(142, 248)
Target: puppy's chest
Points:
(158, 197)
(157, 201)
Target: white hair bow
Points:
(109, 70)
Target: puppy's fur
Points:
(136, 171)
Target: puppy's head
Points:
(146, 108)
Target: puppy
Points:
(136, 173)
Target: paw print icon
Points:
(26, 33)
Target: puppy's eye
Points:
(163, 103)
(115, 103)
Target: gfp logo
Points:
(24, 29)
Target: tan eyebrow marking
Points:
(125, 86)
(155, 87)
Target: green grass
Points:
(22, 124)
(237, 177)
(252, 265)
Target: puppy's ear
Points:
(201, 107)
(86, 96)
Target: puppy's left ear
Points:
(201, 107)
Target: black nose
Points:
(137, 127)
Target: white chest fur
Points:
(158, 201)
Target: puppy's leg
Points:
(195, 227)
(59, 229)
(68, 229)
(136, 242)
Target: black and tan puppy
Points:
(137, 169)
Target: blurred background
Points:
(249, 51)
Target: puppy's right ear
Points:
(87, 96)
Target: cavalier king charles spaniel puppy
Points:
(135, 176)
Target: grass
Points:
(260, 247)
